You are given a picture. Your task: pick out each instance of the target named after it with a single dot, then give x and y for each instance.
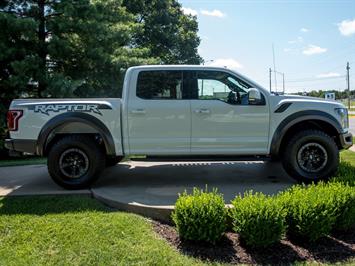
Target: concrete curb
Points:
(161, 213)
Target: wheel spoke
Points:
(312, 157)
(73, 163)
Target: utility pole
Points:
(348, 83)
(273, 57)
(283, 78)
(270, 77)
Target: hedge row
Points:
(307, 212)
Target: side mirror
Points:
(254, 96)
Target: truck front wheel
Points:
(75, 162)
(311, 155)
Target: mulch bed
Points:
(338, 247)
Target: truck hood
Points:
(307, 99)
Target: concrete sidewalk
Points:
(158, 183)
(154, 183)
(30, 180)
(151, 188)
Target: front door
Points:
(159, 117)
(223, 119)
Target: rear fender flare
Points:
(70, 117)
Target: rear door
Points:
(223, 120)
(159, 115)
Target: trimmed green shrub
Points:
(200, 216)
(311, 210)
(259, 219)
(344, 206)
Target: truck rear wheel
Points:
(75, 162)
(311, 155)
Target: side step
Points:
(201, 158)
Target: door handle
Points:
(202, 111)
(138, 111)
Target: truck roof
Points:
(186, 67)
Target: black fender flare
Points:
(298, 117)
(70, 117)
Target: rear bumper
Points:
(346, 140)
(22, 145)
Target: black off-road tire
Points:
(81, 150)
(302, 144)
(112, 161)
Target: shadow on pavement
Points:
(159, 183)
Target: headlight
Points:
(343, 116)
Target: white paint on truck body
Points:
(175, 127)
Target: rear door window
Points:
(161, 84)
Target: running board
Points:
(202, 158)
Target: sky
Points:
(312, 40)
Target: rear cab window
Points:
(161, 85)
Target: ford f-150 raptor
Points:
(181, 112)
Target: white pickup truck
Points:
(181, 113)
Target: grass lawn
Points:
(77, 230)
(348, 156)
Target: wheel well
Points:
(310, 124)
(71, 128)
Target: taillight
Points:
(13, 117)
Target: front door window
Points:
(217, 85)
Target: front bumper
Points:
(346, 140)
(22, 145)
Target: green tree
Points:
(169, 34)
(91, 48)
(69, 47)
(82, 48)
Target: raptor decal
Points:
(84, 107)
